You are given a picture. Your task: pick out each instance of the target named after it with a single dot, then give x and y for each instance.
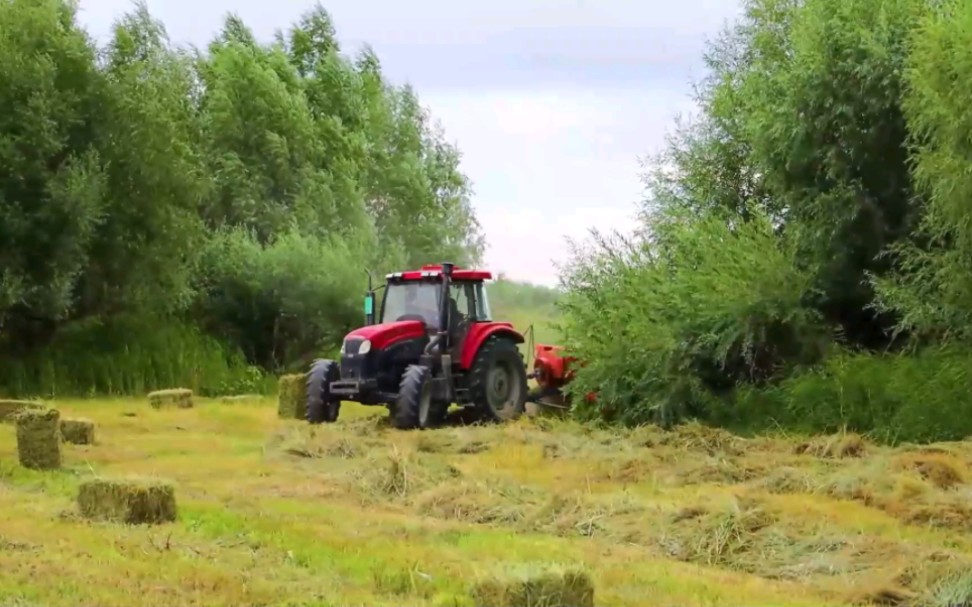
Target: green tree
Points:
(52, 185)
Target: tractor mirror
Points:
(369, 305)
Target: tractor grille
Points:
(354, 365)
(351, 345)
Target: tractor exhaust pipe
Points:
(447, 268)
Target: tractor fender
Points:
(479, 333)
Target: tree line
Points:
(202, 217)
(805, 257)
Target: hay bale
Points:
(78, 431)
(292, 396)
(180, 397)
(39, 438)
(10, 408)
(132, 501)
(551, 588)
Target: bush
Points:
(666, 324)
(129, 356)
(920, 397)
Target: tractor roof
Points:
(433, 271)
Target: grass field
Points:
(274, 512)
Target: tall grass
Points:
(126, 357)
(921, 397)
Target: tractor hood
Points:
(389, 332)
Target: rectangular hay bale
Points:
(530, 587)
(292, 396)
(132, 501)
(78, 431)
(39, 438)
(10, 408)
(179, 397)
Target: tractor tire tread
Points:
(405, 414)
(321, 406)
(494, 346)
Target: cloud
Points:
(550, 166)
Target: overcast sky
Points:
(552, 102)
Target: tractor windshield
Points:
(412, 301)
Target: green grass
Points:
(274, 512)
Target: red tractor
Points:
(435, 343)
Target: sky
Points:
(553, 103)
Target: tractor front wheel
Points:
(498, 381)
(322, 406)
(414, 398)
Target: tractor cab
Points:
(433, 342)
(449, 306)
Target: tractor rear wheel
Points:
(322, 406)
(414, 398)
(498, 381)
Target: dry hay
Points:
(716, 535)
(179, 397)
(742, 535)
(712, 470)
(78, 431)
(10, 408)
(400, 475)
(39, 438)
(837, 446)
(131, 501)
(370, 426)
(292, 396)
(478, 502)
(909, 495)
(786, 479)
(883, 595)
(943, 470)
(631, 469)
(618, 517)
(942, 579)
(694, 436)
(536, 587)
(240, 398)
(454, 443)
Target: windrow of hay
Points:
(39, 438)
(131, 500)
(78, 431)
(837, 446)
(743, 535)
(786, 479)
(400, 475)
(477, 502)
(620, 518)
(908, 488)
(292, 396)
(240, 398)
(9, 408)
(457, 442)
(316, 442)
(532, 586)
(178, 397)
(943, 470)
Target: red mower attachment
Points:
(552, 370)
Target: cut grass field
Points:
(274, 512)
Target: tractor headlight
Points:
(365, 347)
